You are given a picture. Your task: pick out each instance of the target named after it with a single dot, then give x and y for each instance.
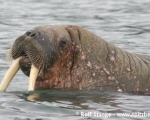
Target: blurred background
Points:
(125, 23)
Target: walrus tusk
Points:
(10, 74)
(33, 76)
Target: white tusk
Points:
(10, 74)
(33, 76)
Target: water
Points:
(123, 23)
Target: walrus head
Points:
(42, 53)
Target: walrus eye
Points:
(63, 43)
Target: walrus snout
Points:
(35, 46)
(37, 50)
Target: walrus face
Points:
(41, 48)
(42, 53)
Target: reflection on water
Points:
(123, 23)
(66, 104)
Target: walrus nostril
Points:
(28, 33)
(33, 34)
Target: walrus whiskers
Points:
(17, 47)
(36, 59)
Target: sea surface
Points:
(125, 23)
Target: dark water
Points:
(125, 23)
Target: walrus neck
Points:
(91, 71)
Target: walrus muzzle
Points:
(33, 47)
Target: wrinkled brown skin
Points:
(91, 63)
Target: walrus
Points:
(71, 57)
